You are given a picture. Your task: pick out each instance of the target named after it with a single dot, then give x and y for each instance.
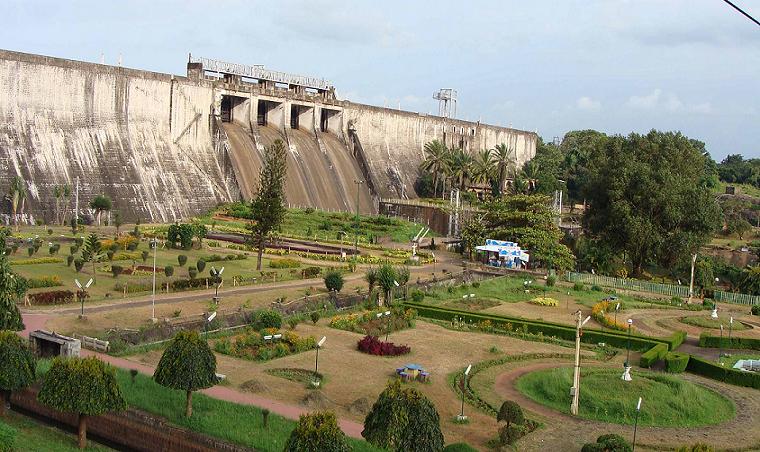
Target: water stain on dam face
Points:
(150, 141)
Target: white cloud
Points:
(647, 102)
(664, 101)
(588, 104)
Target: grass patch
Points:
(729, 361)
(298, 375)
(33, 436)
(704, 321)
(472, 304)
(669, 401)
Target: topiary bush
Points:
(418, 296)
(266, 318)
(116, 270)
(334, 280)
(168, 270)
(374, 346)
(200, 265)
(509, 434)
(314, 316)
(676, 362)
(608, 443)
(317, 432)
(459, 447)
(192, 272)
(551, 280)
(756, 309)
(18, 368)
(653, 355)
(511, 413)
(182, 260)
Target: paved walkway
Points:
(353, 429)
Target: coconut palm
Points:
(530, 171)
(504, 158)
(482, 167)
(460, 167)
(61, 194)
(16, 195)
(436, 160)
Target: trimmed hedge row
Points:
(676, 362)
(676, 339)
(565, 332)
(728, 375)
(653, 355)
(709, 341)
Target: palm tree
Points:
(16, 195)
(460, 165)
(435, 161)
(530, 171)
(61, 193)
(482, 167)
(503, 156)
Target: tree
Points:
(18, 368)
(733, 216)
(579, 152)
(187, 364)
(527, 220)
(608, 443)
(504, 158)
(317, 432)
(460, 167)
(268, 207)
(168, 271)
(403, 419)
(85, 386)
(482, 167)
(91, 252)
(386, 279)
(371, 278)
(511, 413)
(61, 194)
(548, 174)
(749, 281)
(182, 233)
(12, 288)
(17, 197)
(100, 204)
(334, 280)
(646, 201)
(436, 160)
(200, 231)
(117, 221)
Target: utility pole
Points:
(76, 207)
(356, 241)
(575, 390)
(691, 282)
(154, 242)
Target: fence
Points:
(628, 284)
(738, 298)
(92, 343)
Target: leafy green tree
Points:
(608, 443)
(12, 288)
(403, 419)
(85, 386)
(527, 220)
(646, 202)
(182, 233)
(17, 196)
(18, 368)
(504, 158)
(371, 278)
(733, 216)
(334, 280)
(317, 432)
(168, 271)
(548, 174)
(200, 231)
(61, 193)
(436, 161)
(100, 204)
(460, 167)
(483, 167)
(187, 364)
(749, 281)
(91, 252)
(580, 152)
(511, 413)
(117, 221)
(268, 207)
(386, 279)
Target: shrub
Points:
(374, 346)
(699, 447)
(608, 443)
(596, 288)
(334, 280)
(30, 251)
(284, 263)
(293, 322)
(182, 284)
(676, 362)
(168, 270)
(116, 270)
(78, 264)
(144, 255)
(200, 265)
(110, 254)
(182, 260)
(18, 369)
(314, 316)
(579, 287)
(544, 301)
(311, 272)
(267, 319)
(53, 249)
(653, 355)
(192, 272)
(715, 371)
(317, 432)
(509, 434)
(52, 297)
(709, 341)
(511, 413)
(551, 280)
(7, 438)
(69, 260)
(418, 296)
(45, 281)
(459, 447)
(756, 309)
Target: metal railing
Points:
(737, 298)
(628, 284)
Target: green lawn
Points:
(729, 361)
(668, 401)
(34, 436)
(705, 321)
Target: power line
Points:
(743, 13)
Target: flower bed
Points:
(544, 301)
(374, 346)
(52, 297)
(367, 322)
(599, 313)
(251, 345)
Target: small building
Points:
(46, 344)
(499, 253)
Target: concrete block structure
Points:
(168, 147)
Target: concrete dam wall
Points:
(166, 147)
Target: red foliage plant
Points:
(373, 346)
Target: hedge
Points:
(7, 437)
(653, 355)
(676, 362)
(566, 332)
(709, 341)
(676, 339)
(52, 297)
(728, 375)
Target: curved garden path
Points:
(565, 432)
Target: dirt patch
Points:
(317, 400)
(360, 406)
(254, 386)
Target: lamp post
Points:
(387, 315)
(617, 308)
(81, 293)
(217, 281)
(627, 367)
(433, 254)
(316, 361)
(575, 390)
(207, 322)
(730, 328)
(636, 424)
(154, 244)
(461, 416)
(396, 284)
(356, 242)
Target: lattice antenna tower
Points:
(447, 102)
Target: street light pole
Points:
(720, 349)
(627, 368)
(461, 416)
(636, 424)
(575, 390)
(316, 360)
(730, 328)
(154, 242)
(356, 241)
(691, 281)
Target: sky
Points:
(618, 66)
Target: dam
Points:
(165, 147)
